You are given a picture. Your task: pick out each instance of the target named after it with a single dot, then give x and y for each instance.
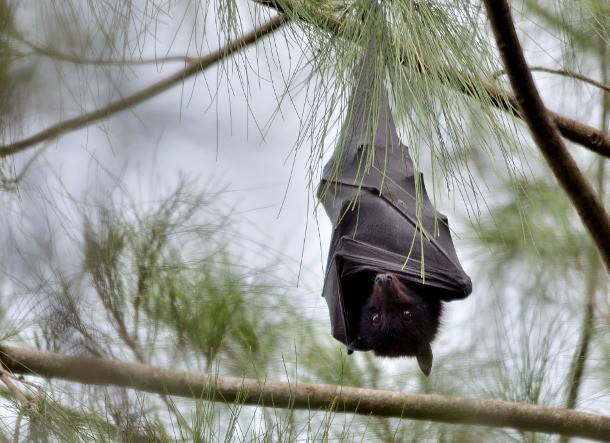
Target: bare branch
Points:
(565, 73)
(197, 385)
(128, 102)
(578, 132)
(44, 51)
(544, 130)
(5, 377)
(577, 368)
(591, 138)
(112, 62)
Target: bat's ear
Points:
(424, 358)
(356, 345)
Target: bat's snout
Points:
(383, 279)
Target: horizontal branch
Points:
(564, 73)
(264, 393)
(128, 102)
(587, 136)
(594, 139)
(45, 51)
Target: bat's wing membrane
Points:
(382, 217)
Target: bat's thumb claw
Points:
(354, 346)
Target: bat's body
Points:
(390, 247)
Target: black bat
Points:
(392, 261)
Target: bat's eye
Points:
(376, 318)
(406, 314)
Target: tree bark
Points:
(580, 133)
(265, 393)
(544, 130)
(587, 136)
(192, 68)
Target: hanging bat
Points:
(397, 321)
(392, 262)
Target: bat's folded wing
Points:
(353, 256)
(383, 220)
(351, 271)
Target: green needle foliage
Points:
(173, 282)
(428, 53)
(156, 285)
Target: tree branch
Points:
(575, 378)
(5, 377)
(128, 102)
(591, 138)
(565, 73)
(197, 385)
(578, 132)
(43, 51)
(587, 136)
(544, 130)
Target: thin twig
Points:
(45, 51)
(587, 136)
(116, 316)
(187, 59)
(575, 378)
(58, 55)
(128, 102)
(6, 379)
(342, 399)
(17, 427)
(578, 132)
(565, 73)
(30, 162)
(544, 130)
(578, 363)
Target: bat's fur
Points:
(397, 321)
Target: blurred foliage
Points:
(14, 81)
(162, 280)
(10, 78)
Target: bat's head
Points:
(397, 321)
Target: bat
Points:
(392, 262)
(397, 321)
